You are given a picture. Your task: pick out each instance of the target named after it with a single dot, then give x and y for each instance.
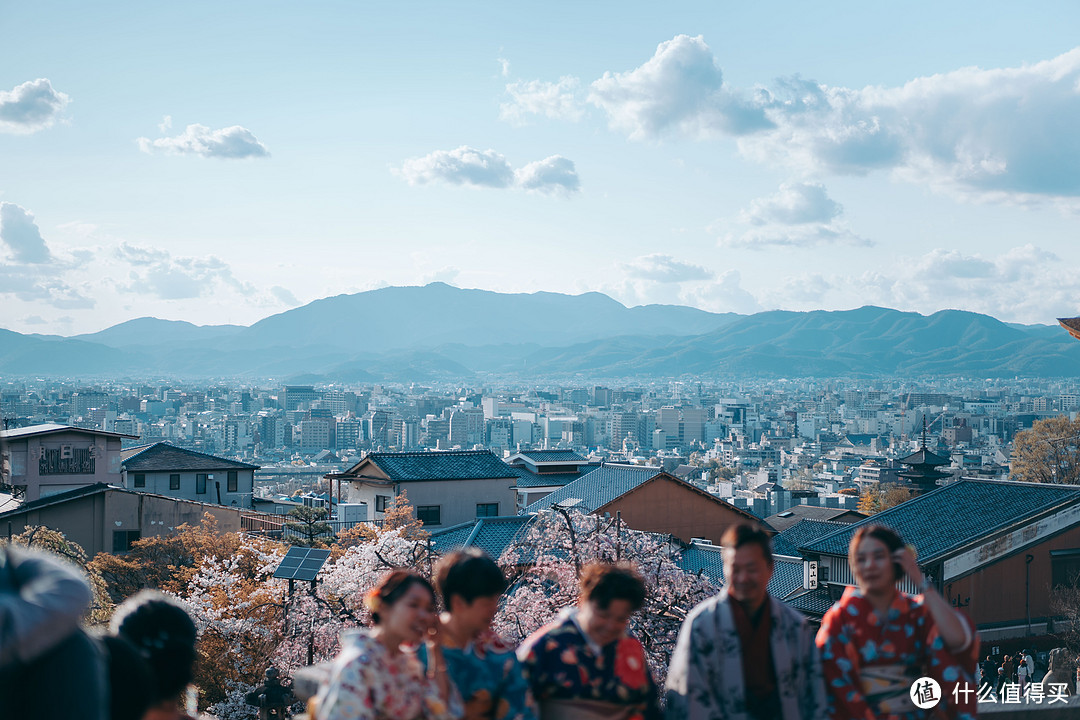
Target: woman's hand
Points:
(906, 558)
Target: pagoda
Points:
(1072, 325)
(922, 470)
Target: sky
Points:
(222, 162)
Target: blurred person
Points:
(877, 641)
(583, 665)
(49, 667)
(164, 635)
(734, 648)
(378, 675)
(482, 666)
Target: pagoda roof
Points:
(923, 456)
(1072, 325)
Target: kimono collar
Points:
(854, 598)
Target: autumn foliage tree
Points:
(1048, 453)
(876, 499)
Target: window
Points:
(382, 502)
(429, 514)
(174, 482)
(232, 486)
(487, 510)
(1064, 567)
(200, 484)
(140, 480)
(823, 572)
(122, 539)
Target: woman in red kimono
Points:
(877, 641)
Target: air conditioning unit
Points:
(65, 452)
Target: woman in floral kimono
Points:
(377, 675)
(877, 641)
(583, 666)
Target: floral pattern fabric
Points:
(561, 663)
(705, 678)
(490, 680)
(368, 683)
(870, 662)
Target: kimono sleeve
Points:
(689, 690)
(535, 667)
(348, 694)
(515, 690)
(951, 668)
(840, 666)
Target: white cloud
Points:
(228, 143)
(166, 124)
(30, 107)
(679, 90)
(448, 275)
(487, 168)
(504, 67)
(158, 273)
(797, 215)
(34, 320)
(21, 234)
(1004, 134)
(664, 269)
(284, 296)
(556, 100)
(553, 175)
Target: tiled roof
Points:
(596, 489)
(59, 498)
(708, 560)
(559, 456)
(957, 515)
(528, 479)
(451, 465)
(782, 521)
(803, 533)
(923, 456)
(816, 602)
(492, 535)
(50, 428)
(162, 457)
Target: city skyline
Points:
(734, 159)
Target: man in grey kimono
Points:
(743, 655)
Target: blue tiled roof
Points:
(528, 479)
(816, 602)
(561, 456)
(163, 457)
(802, 533)
(596, 489)
(452, 465)
(492, 535)
(708, 560)
(956, 515)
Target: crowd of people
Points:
(51, 668)
(741, 655)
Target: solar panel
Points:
(301, 563)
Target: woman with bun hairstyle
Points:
(877, 641)
(377, 675)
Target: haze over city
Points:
(729, 158)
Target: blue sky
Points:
(220, 162)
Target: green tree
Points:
(309, 525)
(1048, 453)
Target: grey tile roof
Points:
(957, 515)
(816, 602)
(708, 560)
(560, 456)
(492, 535)
(596, 489)
(803, 533)
(782, 521)
(162, 457)
(451, 465)
(528, 479)
(50, 428)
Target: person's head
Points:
(748, 563)
(609, 595)
(164, 635)
(870, 556)
(471, 584)
(402, 605)
(132, 685)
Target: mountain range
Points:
(442, 332)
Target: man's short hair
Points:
(468, 573)
(742, 534)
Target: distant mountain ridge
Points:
(441, 332)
